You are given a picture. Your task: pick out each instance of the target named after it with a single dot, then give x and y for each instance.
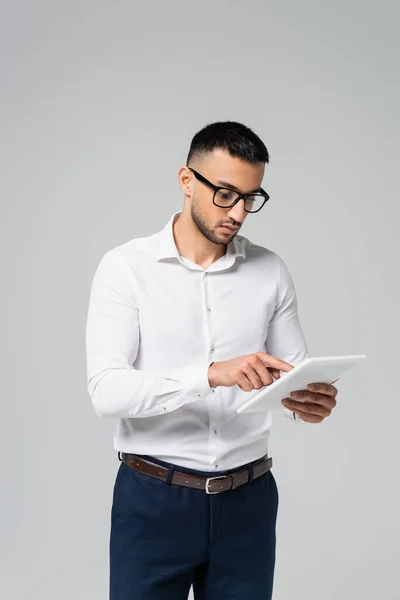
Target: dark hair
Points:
(237, 139)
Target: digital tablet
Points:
(324, 369)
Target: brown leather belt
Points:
(211, 485)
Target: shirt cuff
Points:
(194, 381)
(289, 414)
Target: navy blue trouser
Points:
(164, 538)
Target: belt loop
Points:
(170, 474)
(119, 458)
(251, 473)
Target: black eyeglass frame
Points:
(261, 192)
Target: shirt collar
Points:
(167, 247)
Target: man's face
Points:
(221, 169)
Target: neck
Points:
(192, 244)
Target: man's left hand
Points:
(314, 404)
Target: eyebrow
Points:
(233, 187)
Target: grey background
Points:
(99, 102)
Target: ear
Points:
(185, 179)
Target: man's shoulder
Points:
(266, 260)
(135, 248)
(254, 250)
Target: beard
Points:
(201, 224)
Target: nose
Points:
(237, 212)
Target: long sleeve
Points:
(285, 338)
(115, 387)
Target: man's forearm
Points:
(128, 392)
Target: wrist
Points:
(211, 375)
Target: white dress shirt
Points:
(156, 321)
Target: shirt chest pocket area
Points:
(246, 322)
(180, 318)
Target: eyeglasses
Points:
(226, 198)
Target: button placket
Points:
(214, 408)
(208, 312)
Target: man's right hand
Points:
(249, 372)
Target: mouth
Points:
(228, 229)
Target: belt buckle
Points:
(213, 479)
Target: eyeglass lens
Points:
(225, 198)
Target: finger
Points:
(314, 397)
(308, 408)
(244, 382)
(257, 374)
(274, 372)
(266, 375)
(275, 363)
(323, 388)
(304, 416)
(309, 418)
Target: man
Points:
(183, 326)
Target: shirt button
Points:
(198, 395)
(216, 466)
(215, 432)
(212, 350)
(209, 310)
(213, 391)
